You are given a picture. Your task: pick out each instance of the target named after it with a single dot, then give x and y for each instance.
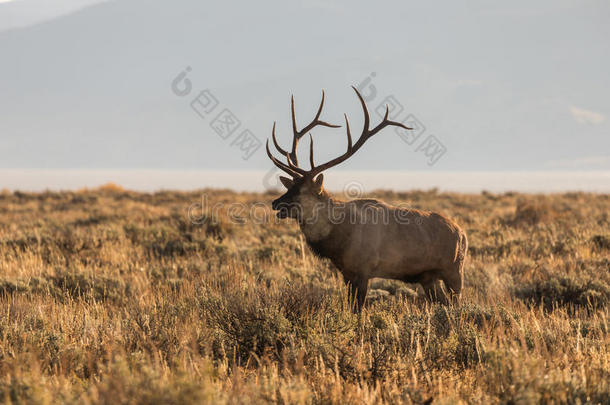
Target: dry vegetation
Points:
(110, 296)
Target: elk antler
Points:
(366, 134)
(291, 157)
(292, 167)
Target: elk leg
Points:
(454, 282)
(434, 291)
(358, 288)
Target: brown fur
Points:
(368, 238)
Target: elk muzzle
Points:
(284, 208)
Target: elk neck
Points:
(319, 216)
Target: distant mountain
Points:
(93, 89)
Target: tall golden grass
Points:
(111, 296)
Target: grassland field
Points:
(110, 296)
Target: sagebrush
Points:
(111, 296)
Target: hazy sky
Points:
(22, 13)
(513, 86)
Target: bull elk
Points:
(367, 238)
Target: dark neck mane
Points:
(327, 239)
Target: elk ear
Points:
(319, 181)
(288, 183)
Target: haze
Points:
(514, 87)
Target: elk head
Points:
(305, 187)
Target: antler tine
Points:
(349, 134)
(367, 118)
(277, 146)
(281, 165)
(387, 122)
(311, 152)
(294, 116)
(294, 166)
(317, 121)
(366, 132)
(295, 133)
(298, 134)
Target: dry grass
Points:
(110, 296)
